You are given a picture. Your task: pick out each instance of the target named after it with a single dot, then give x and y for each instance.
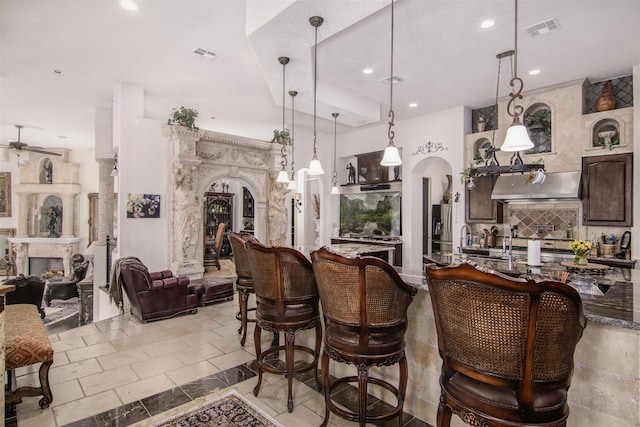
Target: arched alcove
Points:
(538, 120)
(45, 175)
(207, 157)
(605, 133)
(51, 217)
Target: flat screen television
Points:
(371, 214)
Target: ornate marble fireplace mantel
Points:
(27, 247)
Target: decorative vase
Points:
(481, 124)
(606, 101)
(580, 260)
(446, 196)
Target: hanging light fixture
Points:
(334, 175)
(391, 155)
(315, 168)
(293, 185)
(517, 136)
(491, 164)
(283, 176)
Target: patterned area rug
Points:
(60, 310)
(224, 411)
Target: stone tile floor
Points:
(119, 371)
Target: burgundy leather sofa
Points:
(157, 295)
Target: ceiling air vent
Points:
(203, 53)
(542, 28)
(396, 80)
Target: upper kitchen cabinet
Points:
(607, 190)
(370, 170)
(480, 207)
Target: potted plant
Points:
(184, 117)
(467, 173)
(281, 137)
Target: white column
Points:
(105, 199)
(68, 217)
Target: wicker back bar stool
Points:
(287, 301)
(364, 304)
(244, 280)
(506, 345)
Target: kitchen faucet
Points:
(504, 244)
(462, 235)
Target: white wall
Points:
(446, 128)
(142, 168)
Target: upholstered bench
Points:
(211, 289)
(26, 343)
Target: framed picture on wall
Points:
(7, 266)
(143, 205)
(5, 194)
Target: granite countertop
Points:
(613, 299)
(350, 250)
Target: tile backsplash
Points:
(550, 223)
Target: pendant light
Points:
(491, 165)
(315, 168)
(283, 176)
(334, 175)
(517, 136)
(293, 185)
(391, 155)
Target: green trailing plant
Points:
(281, 137)
(542, 118)
(609, 144)
(467, 173)
(184, 117)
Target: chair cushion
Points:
(550, 405)
(26, 342)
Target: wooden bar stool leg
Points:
(290, 339)
(325, 387)
(402, 387)
(256, 338)
(363, 376)
(317, 354)
(243, 297)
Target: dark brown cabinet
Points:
(479, 206)
(218, 208)
(607, 191)
(370, 170)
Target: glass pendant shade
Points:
(315, 168)
(517, 137)
(391, 156)
(283, 177)
(335, 190)
(293, 185)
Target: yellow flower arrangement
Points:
(580, 247)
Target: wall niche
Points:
(537, 119)
(606, 134)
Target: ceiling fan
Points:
(21, 146)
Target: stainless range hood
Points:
(558, 186)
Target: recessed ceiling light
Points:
(534, 72)
(129, 5)
(367, 70)
(487, 23)
(413, 104)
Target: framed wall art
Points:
(143, 205)
(7, 266)
(5, 194)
